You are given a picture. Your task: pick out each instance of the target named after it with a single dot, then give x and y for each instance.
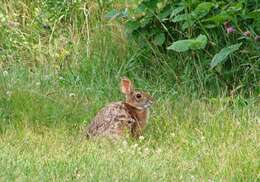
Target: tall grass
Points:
(57, 69)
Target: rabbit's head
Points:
(137, 99)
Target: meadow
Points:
(60, 63)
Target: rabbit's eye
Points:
(138, 96)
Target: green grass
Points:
(53, 82)
(186, 139)
(191, 142)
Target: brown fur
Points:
(140, 117)
(119, 117)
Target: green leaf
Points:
(159, 39)
(181, 45)
(151, 4)
(165, 13)
(219, 18)
(194, 44)
(223, 54)
(235, 8)
(202, 9)
(200, 42)
(181, 17)
(176, 11)
(132, 25)
(140, 9)
(187, 24)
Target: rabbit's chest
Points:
(142, 118)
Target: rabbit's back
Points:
(111, 121)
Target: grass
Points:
(53, 82)
(214, 142)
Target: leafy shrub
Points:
(165, 22)
(199, 30)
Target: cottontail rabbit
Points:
(130, 115)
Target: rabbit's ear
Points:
(126, 86)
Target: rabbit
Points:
(118, 118)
